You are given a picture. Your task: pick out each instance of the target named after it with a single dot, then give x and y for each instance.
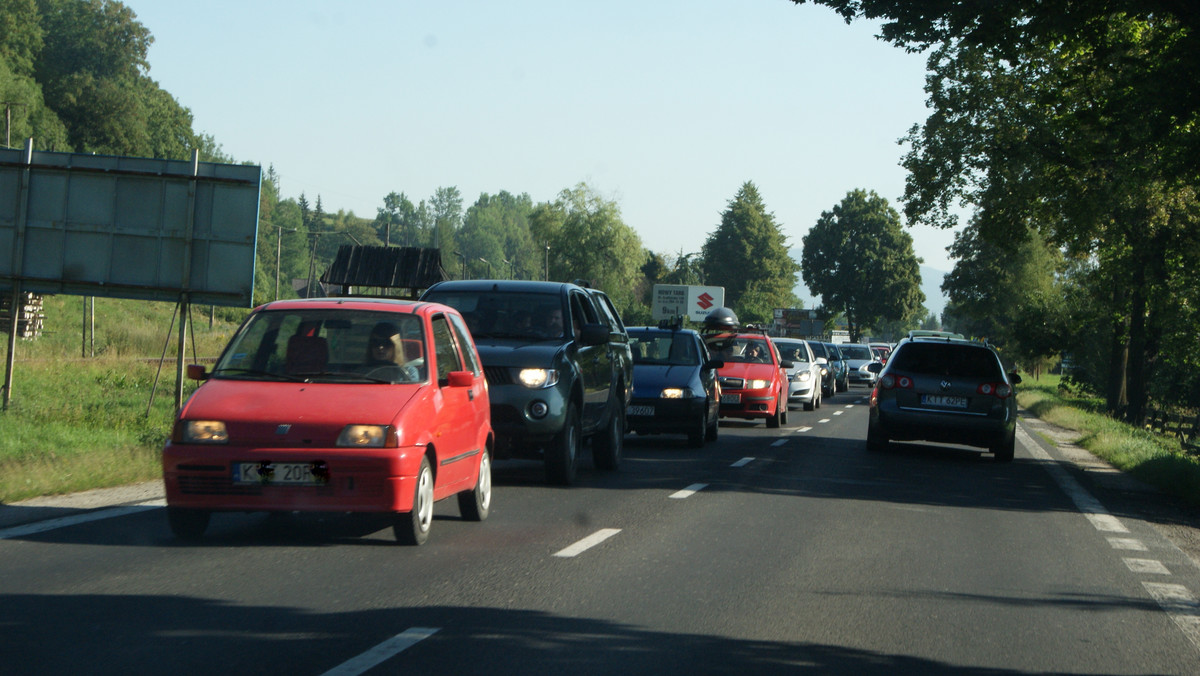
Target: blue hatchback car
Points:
(675, 388)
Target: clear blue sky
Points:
(664, 106)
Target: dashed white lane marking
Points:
(838, 412)
(63, 522)
(743, 462)
(587, 543)
(1107, 523)
(382, 652)
(779, 442)
(823, 420)
(806, 428)
(1179, 603)
(1131, 544)
(688, 492)
(1148, 566)
(1174, 599)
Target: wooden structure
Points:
(409, 270)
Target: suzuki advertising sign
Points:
(693, 302)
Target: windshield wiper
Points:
(256, 372)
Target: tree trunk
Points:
(1115, 398)
(1136, 357)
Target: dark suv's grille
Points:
(497, 375)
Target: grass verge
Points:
(1151, 458)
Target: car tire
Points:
(877, 441)
(188, 524)
(412, 527)
(777, 419)
(475, 504)
(811, 404)
(1005, 449)
(714, 426)
(699, 435)
(609, 445)
(817, 396)
(562, 455)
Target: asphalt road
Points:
(769, 551)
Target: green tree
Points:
(589, 241)
(447, 207)
(748, 255)
(496, 229)
(1008, 293)
(1050, 134)
(861, 262)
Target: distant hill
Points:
(931, 282)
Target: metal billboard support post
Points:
(18, 257)
(12, 345)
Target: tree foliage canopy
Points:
(861, 262)
(748, 255)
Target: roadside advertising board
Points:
(693, 302)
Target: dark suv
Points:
(558, 366)
(944, 390)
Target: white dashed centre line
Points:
(382, 652)
(587, 543)
(838, 412)
(743, 462)
(1131, 544)
(822, 421)
(803, 429)
(779, 442)
(688, 492)
(1148, 566)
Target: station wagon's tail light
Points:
(997, 390)
(891, 382)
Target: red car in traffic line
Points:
(336, 405)
(753, 380)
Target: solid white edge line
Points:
(76, 519)
(688, 492)
(1084, 501)
(587, 543)
(743, 462)
(382, 652)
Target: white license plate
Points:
(943, 401)
(283, 473)
(641, 410)
(731, 398)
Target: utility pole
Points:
(8, 106)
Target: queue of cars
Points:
(388, 406)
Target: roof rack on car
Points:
(674, 323)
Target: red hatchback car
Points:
(753, 380)
(336, 405)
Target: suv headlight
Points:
(538, 379)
